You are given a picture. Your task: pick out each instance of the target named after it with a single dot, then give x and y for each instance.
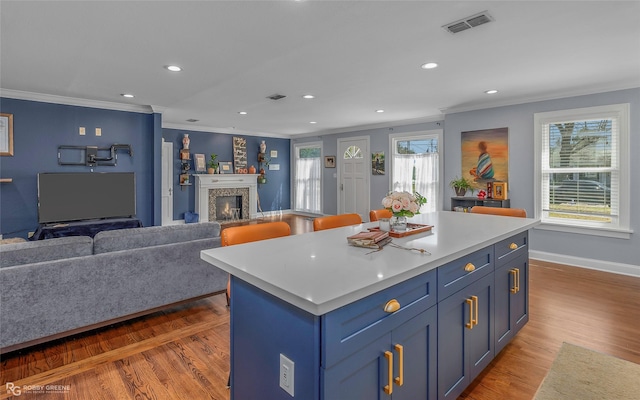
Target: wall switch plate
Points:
(287, 374)
(98, 131)
(82, 131)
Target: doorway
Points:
(354, 176)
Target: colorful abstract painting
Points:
(485, 156)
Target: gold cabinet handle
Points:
(469, 325)
(513, 246)
(514, 275)
(469, 267)
(400, 378)
(388, 389)
(475, 300)
(517, 279)
(392, 306)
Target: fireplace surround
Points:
(210, 187)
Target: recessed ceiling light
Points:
(313, 122)
(492, 91)
(308, 96)
(429, 65)
(242, 112)
(173, 68)
(379, 111)
(127, 95)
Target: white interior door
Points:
(353, 172)
(167, 183)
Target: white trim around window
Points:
(619, 224)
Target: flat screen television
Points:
(65, 197)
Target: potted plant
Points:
(213, 164)
(461, 185)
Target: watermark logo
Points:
(17, 390)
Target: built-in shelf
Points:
(6, 180)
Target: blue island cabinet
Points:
(353, 352)
(427, 337)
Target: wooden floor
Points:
(183, 352)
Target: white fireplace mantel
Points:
(225, 181)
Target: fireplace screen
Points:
(228, 208)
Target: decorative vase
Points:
(252, 169)
(263, 147)
(399, 224)
(186, 141)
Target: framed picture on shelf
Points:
(330, 162)
(226, 167)
(500, 190)
(201, 165)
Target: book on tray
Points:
(371, 239)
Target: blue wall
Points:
(39, 128)
(274, 195)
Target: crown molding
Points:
(380, 125)
(226, 131)
(534, 99)
(74, 101)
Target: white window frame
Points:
(421, 135)
(619, 227)
(295, 148)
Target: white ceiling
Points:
(354, 56)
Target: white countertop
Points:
(319, 272)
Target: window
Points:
(416, 165)
(307, 185)
(582, 169)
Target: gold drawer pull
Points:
(513, 246)
(392, 306)
(469, 325)
(469, 267)
(514, 275)
(400, 378)
(388, 389)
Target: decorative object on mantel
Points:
(213, 164)
(199, 162)
(185, 141)
(252, 170)
(240, 155)
(461, 185)
(226, 167)
(263, 147)
(6, 134)
(402, 205)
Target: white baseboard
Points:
(606, 266)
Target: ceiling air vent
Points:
(468, 23)
(276, 96)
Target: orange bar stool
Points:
(508, 212)
(375, 215)
(336, 221)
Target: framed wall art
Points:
(485, 156)
(201, 165)
(240, 155)
(377, 163)
(6, 134)
(330, 162)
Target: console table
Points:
(84, 228)
(468, 202)
(357, 324)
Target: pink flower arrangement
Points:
(403, 204)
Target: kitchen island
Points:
(358, 324)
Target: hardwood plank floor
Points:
(183, 352)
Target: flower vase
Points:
(399, 224)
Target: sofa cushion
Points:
(127, 239)
(45, 250)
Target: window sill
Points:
(584, 230)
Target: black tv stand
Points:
(83, 228)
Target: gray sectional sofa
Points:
(56, 287)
